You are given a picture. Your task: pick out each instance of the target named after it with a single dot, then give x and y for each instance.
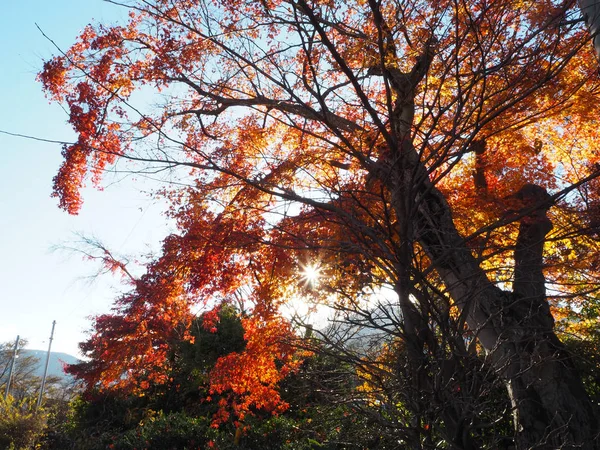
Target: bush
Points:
(21, 425)
(156, 431)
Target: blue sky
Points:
(38, 285)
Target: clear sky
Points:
(38, 285)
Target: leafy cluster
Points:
(21, 424)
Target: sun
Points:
(311, 274)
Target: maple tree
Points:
(408, 145)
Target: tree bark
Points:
(551, 407)
(591, 13)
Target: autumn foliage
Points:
(391, 143)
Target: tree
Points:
(408, 145)
(25, 381)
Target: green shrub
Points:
(175, 431)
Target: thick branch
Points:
(550, 403)
(529, 286)
(307, 112)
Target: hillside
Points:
(55, 364)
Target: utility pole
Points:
(39, 402)
(12, 366)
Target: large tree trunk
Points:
(551, 407)
(591, 13)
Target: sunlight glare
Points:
(311, 274)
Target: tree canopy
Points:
(440, 150)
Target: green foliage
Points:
(586, 356)
(176, 431)
(61, 420)
(580, 332)
(318, 427)
(21, 425)
(104, 417)
(208, 346)
(192, 362)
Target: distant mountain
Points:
(55, 364)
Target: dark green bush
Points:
(175, 431)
